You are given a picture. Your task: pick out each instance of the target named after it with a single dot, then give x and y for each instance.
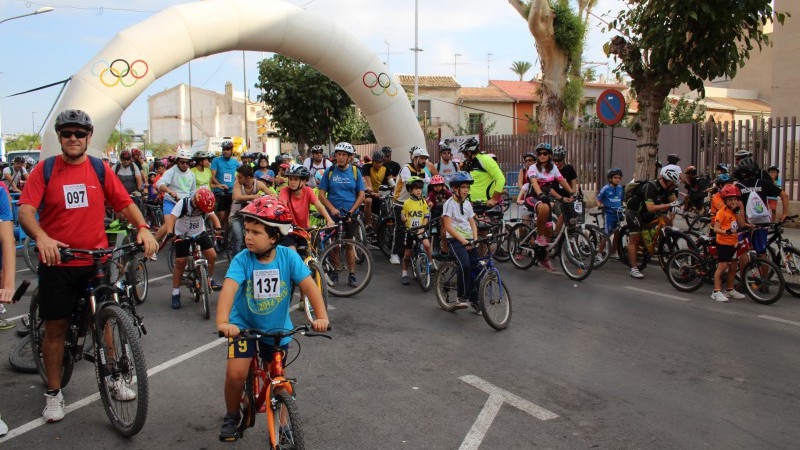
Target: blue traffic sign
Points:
(611, 107)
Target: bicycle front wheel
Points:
(601, 242)
(21, 357)
(122, 379)
(422, 271)
(318, 275)
(29, 253)
(790, 267)
(344, 275)
(686, 271)
(446, 286)
(495, 302)
(520, 248)
(286, 423)
(204, 292)
(138, 280)
(577, 256)
(763, 281)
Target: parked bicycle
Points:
(113, 343)
(421, 267)
(785, 256)
(659, 238)
(491, 293)
(268, 390)
(347, 263)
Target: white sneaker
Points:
(394, 259)
(733, 293)
(719, 296)
(53, 408)
(635, 273)
(3, 428)
(120, 390)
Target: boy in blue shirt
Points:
(610, 199)
(256, 294)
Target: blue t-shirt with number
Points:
(265, 290)
(226, 171)
(342, 186)
(5, 215)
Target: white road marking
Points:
(17, 317)
(645, 291)
(22, 270)
(169, 275)
(497, 396)
(778, 319)
(94, 397)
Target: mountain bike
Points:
(488, 289)
(129, 269)
(658, 239)
(336, 251)
(195, 275)
(420, 263)
(490, 221)
(575, 250)
(113, 343)
(785, 255)
(601, 240)
(20, 357)
(307, 250)
(268, 390)
(384, 232)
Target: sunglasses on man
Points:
(66, 134)
(183, 161)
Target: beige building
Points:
(437, 97)
(213, 114)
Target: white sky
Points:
(42, 49)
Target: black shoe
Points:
(351, 280)
(230, 428)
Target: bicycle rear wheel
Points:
(601, 243)
(686, 271)
(422, 271)
(37, 338)
(122, 380)
(672, 243)
(29, 253)
(495, 302)
(791, 270)
(577, 256)
(500, 246)
(338, 272)
(138, 279)
(286, 423)
(643, 256)
(21, 357)
(520, 248)
(385, 237)
(204, 292)
(318, 276)
(446, 286)
(763, 281)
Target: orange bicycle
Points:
(268, 390)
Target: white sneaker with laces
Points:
(394, 259)
(3, 428)
(733, 293)
(53, 407)
(635, 273)
(120, 390)
(719, 296)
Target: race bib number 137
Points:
(266, 283)
(75, 196)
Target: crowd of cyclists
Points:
(257, 206)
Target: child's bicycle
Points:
(785, 255)
(268, 390)
(421, 267)
(493, 300)
(688, 269)
(195, 276)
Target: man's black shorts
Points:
(182, 247)
(60, 288)
(224, 201)
(633, 220)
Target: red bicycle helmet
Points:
(271, 212)
(437, 179)
(730, 190)
(136, 152)
(204, 199)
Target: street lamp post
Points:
(416, 51)
(42, 10)
(33, 123)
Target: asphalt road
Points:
(611, 362)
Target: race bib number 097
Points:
(75, 196)
(266, 284)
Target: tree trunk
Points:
(554, 63)
(647, 127)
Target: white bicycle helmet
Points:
(670, 174)
(344, 147)
(184, 153)
(420, 152)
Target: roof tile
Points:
(428, 81)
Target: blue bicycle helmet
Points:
(544, 146)
(723, 179)
(460, 178)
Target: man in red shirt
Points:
(71, 215)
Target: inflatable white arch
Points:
(139, 55)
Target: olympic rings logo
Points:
(120, 72)
(379, 84)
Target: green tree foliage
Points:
(305, 105)
(682, 111)
(24, 142)
(161, 150)
(589, 75)
(520, 68)
(126, 137)
(664, 44)
(569, 29)
(354, 129)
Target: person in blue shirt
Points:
(342, 191)
(8, 257)
(610, 199)
(256, 294)
(223, 174)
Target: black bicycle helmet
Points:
(614, 171)
(747, 167)
(298, 171)
(672, 158)
(723, 167)
(227, 145)
(559, 153)
(73, 117)
(471, 145)
(377, 157)
(529, 155)
(386, 150)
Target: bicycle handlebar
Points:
(254, 333)
(488, 238)
(68, 254)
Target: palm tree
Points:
(520, 67)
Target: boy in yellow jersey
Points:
(414, 214)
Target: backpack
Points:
(97, 164)
(633, 192)
(755, 210)
(355, 172)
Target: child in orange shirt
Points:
(726, 227)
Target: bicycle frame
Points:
(275, 373)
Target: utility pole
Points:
(488, 67)
(416, 51)
(385, 41)
(191, 130)
(244, 76)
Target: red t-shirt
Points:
(299, 206)
(73, 206)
